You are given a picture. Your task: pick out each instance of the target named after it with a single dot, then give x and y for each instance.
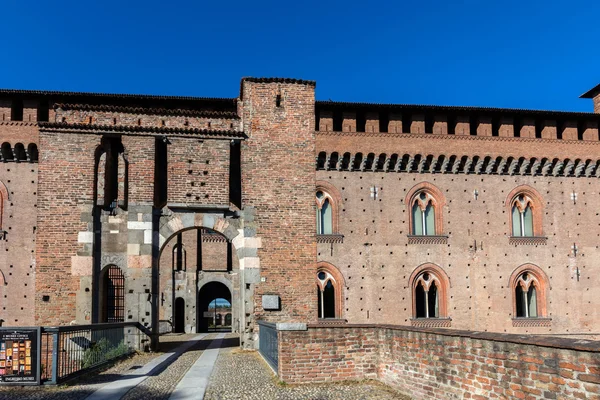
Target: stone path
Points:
(193, 366)
(193, 384)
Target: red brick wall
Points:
(278, 180)
(441, 364)
(198, 171)
(19, 221)
(61, 201)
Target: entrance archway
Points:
(208, 293)
(179, 325)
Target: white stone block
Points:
(139, 225)
(148, 237)
(85, 237)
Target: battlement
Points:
(459, 121)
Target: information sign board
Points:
(19, 356)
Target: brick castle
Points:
(147, 208)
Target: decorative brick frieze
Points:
(429, 239)
(531, 322)
(333, 238)
(431, 322)
(527, 240)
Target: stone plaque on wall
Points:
(270, 302)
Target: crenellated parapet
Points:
(458, 121)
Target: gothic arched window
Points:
(329, 291)
(425, 204)
(522, 216)
(528, 284)
(328, 202)
(324, 213)
(524, 205)
(430, 285)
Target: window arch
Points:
(529, 285)
(328, 201)
(330, 284)
(429, 285)
(424, 203)
(525, 210)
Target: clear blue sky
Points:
(523, 54)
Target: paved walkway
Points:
(209, 366)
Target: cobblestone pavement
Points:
(83, 387)
(237, 375)
(245, 375)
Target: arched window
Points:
(430, 285)
(425, 204)
(7, 154)
(329, 291)
(33, 152)
(423, 215)
(528, 284)
(179, 257)
(324, 214)
(20, 154)
(328, 201)
(522, 216)
(525, 209)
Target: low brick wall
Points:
(443, 364)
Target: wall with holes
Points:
(126, 116)
(18, 222)
(198, 171)
(377, 260)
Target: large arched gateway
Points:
(197, 267)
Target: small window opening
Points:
(337, 121)
(278, 101)
(361, 123)
(473, 124)
(16, 111)
(384, 121)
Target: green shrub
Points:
(102, 351)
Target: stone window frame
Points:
(535, 201)
(443, 286)
(330, 193)
(438, 201)
(339, 284)
(540, 281)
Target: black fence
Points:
(268, 343)
(67, 351)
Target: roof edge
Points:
(280, 80)
(112, 95)
(590, 94)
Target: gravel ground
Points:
(245, 375)
(237, 375)
(84, 386)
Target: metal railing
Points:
(70, 350)
(268, 344)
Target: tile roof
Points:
(147, 110)
(324, 105)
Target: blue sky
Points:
(522, 54)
